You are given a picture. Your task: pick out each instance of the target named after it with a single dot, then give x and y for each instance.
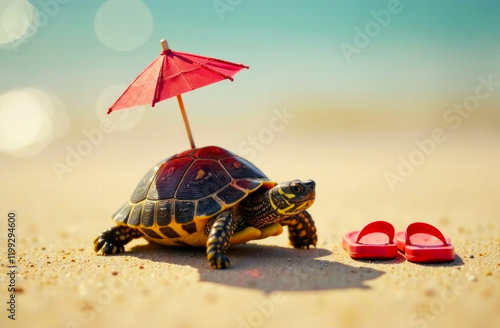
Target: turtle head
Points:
(292, 197)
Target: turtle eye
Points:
(297, 189)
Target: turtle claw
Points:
(304, 243)
(98, 243)
(110, 248)
(218, 240)
(112, 241)
(301, 230)
(107, 247)
(219, 261)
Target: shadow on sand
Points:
(266, 268)
(399, 259)
(456, 262)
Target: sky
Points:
(331, 55)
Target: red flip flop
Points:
(422, 242)
(374, 241)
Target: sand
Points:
(62, 283)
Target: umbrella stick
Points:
(186, 122)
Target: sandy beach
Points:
(62, 283)
(391, 107)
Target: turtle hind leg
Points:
(301, 230)
(218, 239)
(113, 240)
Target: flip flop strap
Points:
(421, 227)
(377, 226)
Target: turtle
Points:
(211, 197)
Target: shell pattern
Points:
(173, 202)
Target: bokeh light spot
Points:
(123, 25)
(17, 18)
(27, 119)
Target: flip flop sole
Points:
(425, 247)
(370, 248)
(429, 254)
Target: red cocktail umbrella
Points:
(171, 74)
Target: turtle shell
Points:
(174, 200)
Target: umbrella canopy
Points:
(171, 74)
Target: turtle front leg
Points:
(113, 240)
(301, 230)
(218, 239)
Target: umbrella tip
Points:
(164, 45)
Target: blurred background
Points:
(352, 86)
(392, 107)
